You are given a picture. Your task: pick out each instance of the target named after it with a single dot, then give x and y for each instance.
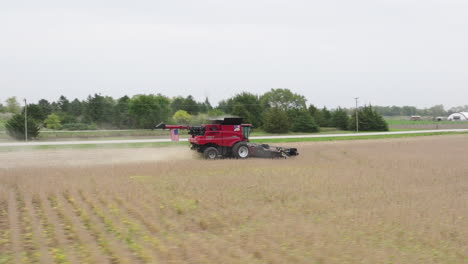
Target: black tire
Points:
(241, 150)
(210, 153)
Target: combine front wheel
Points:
(210, 153)
(241, 150)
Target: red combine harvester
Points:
(228, 137)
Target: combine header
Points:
(228, 137)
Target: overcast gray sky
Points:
(387, 52)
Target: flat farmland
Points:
(365, 201)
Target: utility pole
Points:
(25, 120)
(357, 115)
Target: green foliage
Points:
(189, 105)
(369, 120)
(99, 109)
(149, 110)
(121, 117)
(75, 108)
(36, 112)
(12, 105)
(437, 110)
(198, 119)
(283, 99)
(177, 103)
(276, 121)
(247, 106)
(340, 119)
(205, 107)
(78, 126)
(304, 122)
(323, 117)
(63, 104)
(215, 113)
(53, 121)
(326, 117)
(182, 117)
(46, 106)
(434, 111)
(15, 127)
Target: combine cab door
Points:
(214, 134)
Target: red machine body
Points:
(227, 137)
(221, 135)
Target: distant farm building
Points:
(415, 118)
(461, 116)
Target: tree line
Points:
(276, 111)
(434, 111)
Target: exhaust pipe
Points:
(161, 126)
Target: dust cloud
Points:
(91, 157)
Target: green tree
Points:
(182, 117)
(45, 108)
(15, 127)
(340, 119)
(408, 110)
(215, 112)
(437, 110)
(321, 116)
(187, 104)
(316, 114)
(3, 109)
(99, 109)
(149, 110)
(63, 104)
(247, 106)
(369, 120)
(177, 103)
(53, 121)
(35, 112)
(75, 108)
(283, 99)
(304, 122)
(456, 109)
(121, 116)
(191, 106)
(205, 106)
(276, 120)
(326, 117)
(12, 105)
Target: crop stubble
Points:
(378, 201)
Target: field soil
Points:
(365, 201)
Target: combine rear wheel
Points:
(210, 153)
(241, 150)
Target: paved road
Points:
(18, 144)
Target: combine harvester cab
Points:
(228, 137)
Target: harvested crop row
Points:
(6, 255)
(387, 201)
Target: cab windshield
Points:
(246, 131)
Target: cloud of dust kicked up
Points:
(90, 157)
